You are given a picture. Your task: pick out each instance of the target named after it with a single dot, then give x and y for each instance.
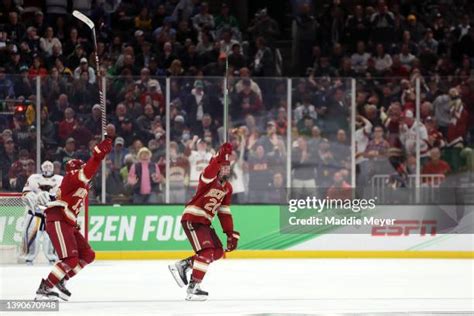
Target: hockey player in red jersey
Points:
(213, 196)
(74, 252)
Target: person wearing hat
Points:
(39, 23)
(126, 131)
(84, 67)
(145, 177)
(118, 153)
(416, 29)
(93, 122)
(24, 86)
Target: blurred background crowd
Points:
(385, 46)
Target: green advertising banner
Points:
(158, 227)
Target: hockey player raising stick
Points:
(213, 196)
(73, 250)
(40, 188)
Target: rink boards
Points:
(154, 232)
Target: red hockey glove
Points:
(232, 240)
(103, 148)
(224, 151)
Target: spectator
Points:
(383, 61)
(305, 109)
(93, 122)
(179, 171)
(246, 101)
(235, 58)
(245, 75)
(197, 103)
(416, 29)
(406, 58)
(84, 67)
(67, 153)
(9, 156)
(198, 159)
(408, 130)
(14, 29)
(144, 177)
(263, 63)
(227, 21)
(127, 131)
(259, 174)
(37, 68)
(203, 20)
(304, 168)
(382, 23)
(340, 189)
(24, 86)
(238, 166)
(66, 126)
(357, 27)
(118, 153)
(166, 58)
(48, 41)
(143, 20)
(264, 26)
(184, 32)
(435, 166)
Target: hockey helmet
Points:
(47, 169)
(74, 164)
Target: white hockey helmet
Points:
(47, 169)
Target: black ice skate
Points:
(178, 271)
(64, 293)
(45, 293)
(195, 293)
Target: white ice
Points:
(305, 286)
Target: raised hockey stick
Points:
(83, 18)
(226, 97)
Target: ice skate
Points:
(178, 271)
(195, 293)
(45, 292)
(64, 293)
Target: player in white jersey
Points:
(40, 188)
(198, 161)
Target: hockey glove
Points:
(224, 151)
(232, 240)
(102, 149)
(30, 200)
(43, 198)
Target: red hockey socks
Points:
(61, 269)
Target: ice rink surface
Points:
(250, 287)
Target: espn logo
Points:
(406, 228)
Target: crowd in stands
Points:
(385, 45)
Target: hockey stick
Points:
(226, 103)
(83, 18)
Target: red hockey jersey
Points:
(72, 193)
(211, 198)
